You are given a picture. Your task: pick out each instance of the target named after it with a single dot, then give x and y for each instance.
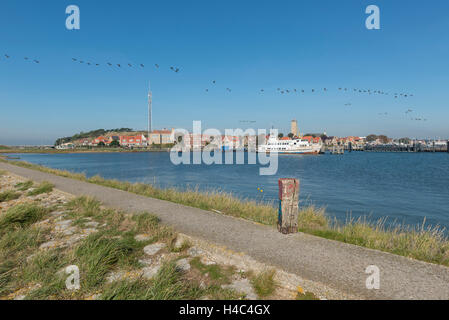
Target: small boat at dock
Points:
(290, 146)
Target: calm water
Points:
(405, 187)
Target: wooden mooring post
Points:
(288, 205)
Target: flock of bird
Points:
(229, 90)
(119, 65)
(367, 91)
(279, 90)
(409, 112)
(25, 58)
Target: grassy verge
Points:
(24, 186)
(264, 284)
(27, 269)
(428, 244)
(44, 187)
(168, 284)
(9, 195)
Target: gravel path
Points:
(337, 265)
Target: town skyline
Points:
(202, 67)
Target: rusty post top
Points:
(287, 186)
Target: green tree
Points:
(114, 144)
(383, 138)
(291, 135)
(371, 138)
(101, 144)
(280, 135)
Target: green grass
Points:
(24, 186)
(429, 244)
(15, 245)
(46, 268)
(264, 284)
(44, 187)
(168, 284)
(420, 242)
(98, 255)
(85, 206)
(6, 275)
(112, 248)
(17, 240)
(217, 274)
(20, 216)
(307, 296)
(9, 195)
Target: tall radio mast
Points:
(150, 111)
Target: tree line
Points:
(90, 134)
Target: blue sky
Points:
(243, 45)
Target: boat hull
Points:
(291, 152)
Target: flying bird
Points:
(213, 81)
(156, 65)
(73, 59)
(119, 65)
(109, 64)
(142, 65)
(129, 64)
(36, 61)
(7, 57)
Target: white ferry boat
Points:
(295, 146)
